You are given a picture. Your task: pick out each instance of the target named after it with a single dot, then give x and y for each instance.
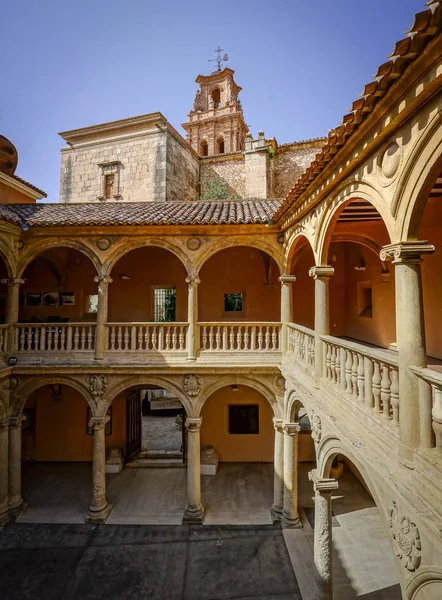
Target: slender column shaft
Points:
(4, 467)
(194, 510)
(100, 332)
(12, 308)
(14, 471)
(192, 316)
(99, 509)
(323, 535)
(290, 515)
(322, 275)
(278, 473)
(414, 408)
(286, 307)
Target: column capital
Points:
(98, 422)
(193, 280)
(291, 429)
(406, 252)
(278, 424)
(16, 422)
(4, 425)
(193, 424)
(12, 281)
(106, 279)
(321, 271)
(321, 485)
(287, 279)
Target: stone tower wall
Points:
(228, 170)
(290, 162)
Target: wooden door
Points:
(133, 424)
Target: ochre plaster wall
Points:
(303, 290)
(9, 195)
(240, 270)
(60, 432)
(237, 448)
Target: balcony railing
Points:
(146, 337)
(4, 337)
(240, 337)
(301, 342)
(434, 379)
(55, 337)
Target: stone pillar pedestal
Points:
(323, 534)
(4, 467)
(321, 275)
(278, 471)
(15, 501)
(192, 317)
(415, 397)
(100, 331)
(12, 308)
(99, 509)
(286, 307)
(290, 515)
(194, 512)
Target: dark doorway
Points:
(133, 424)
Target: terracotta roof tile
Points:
(225, 212)
(426, 24)
(29, 185)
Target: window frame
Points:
(152, 301)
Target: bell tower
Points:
(216, 124)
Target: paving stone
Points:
(36, 535)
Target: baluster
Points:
(275, 344)
(69, 339)
(42, 341)
(267, 338)
(62, 338)
(204, 337)
(354, 375)
(260, 337)
(302, 347)
(147, 338)
(333, 363)
(167, 336)
(338, 365)
(210, 338)
(112, 338)
(83, 338)
(174, 338)
(218, 338)
(76, 337)
(160, 339)
(368, 381)
(239, 338)
(348, 369)
(377, 387)
(342, 359)
(154, 338)
(328, 371)
(253, 338)
(231, 338)
(385, 391)
(56, 337)
(139, 342)
(126, 337)
(119, 338)
(246, 338)
(22, 339)
(90, 338)
(181, 338)
(133, 337)
(360, 378)
(395, 394)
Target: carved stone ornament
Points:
(406, 538)
(193, 243)
(10, 383)
(97, 385)
(316, 425)
(406, 251)
(279, 383)
(19, 244)
(191, 385)
(103, 243)
(391, 160)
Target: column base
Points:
(98, 516)
(276, 513)
(191, 359)
(11, 513)
(289, 522)
(194, 514)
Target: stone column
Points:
(100, 332)
(99, 509)
(15, 502)
(323, 489)
(415, 398)
(4, 467)
(286, 307)
(194, 510)
(290, 515)
(321, 275)
(12, 308)
(192, 316)
(278, 471)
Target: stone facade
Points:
(227, 169)
(290, 162)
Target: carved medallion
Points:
(19, 244)
(193, 243)
(103, 244)
(279, 382)
(97, 385)
(191, 385)
(406, 538)
(10, 383)
(316, 425)
(391, 160)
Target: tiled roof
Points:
(226, 212)
(427, 24)
(301, 142)
(29, 185)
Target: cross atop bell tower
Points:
(219, 59)
(216, 124)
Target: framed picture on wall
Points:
(33, 299)
(67, 298)
(90, 429)
(51, 299)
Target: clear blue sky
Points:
(73, 63)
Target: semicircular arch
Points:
(5, 254)
(32, 252)
(297, 242)
(428, 577)
(225, 243)
(294, 403)
(348, 192)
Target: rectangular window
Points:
(243, 418)
(233, 302)
(109, 186)
(164, 304)
(92, 303)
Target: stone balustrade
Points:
(4, 338)
(369, 376)
(54, 337)
(433, 424)
(301, 343)
(240, 337)
(146, 337)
